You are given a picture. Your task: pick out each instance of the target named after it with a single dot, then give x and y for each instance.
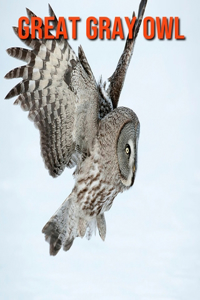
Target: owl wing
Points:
(118, 77)
(58, 89)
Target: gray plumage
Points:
(80, 125)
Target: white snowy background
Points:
(152, 248)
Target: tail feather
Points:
(101, 224)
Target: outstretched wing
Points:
(58, 89)
(118, 77)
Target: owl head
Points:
(118, 136)
(127, 152)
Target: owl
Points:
(80, 126)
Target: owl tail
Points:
(67, 223)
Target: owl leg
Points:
(59, 230)
(91, 228)
(98, 221)
(82, 227)
(68, 222)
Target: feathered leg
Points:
(69, 222)
(61, 228)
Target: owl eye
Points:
(128, 150)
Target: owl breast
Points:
(94, 188)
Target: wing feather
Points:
(57, 89)
(21, 53)
(118, 77)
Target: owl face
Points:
(127, 152)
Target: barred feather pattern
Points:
(97, 184)
(84, 209)
(80, 125)
(51, 90)
(68, 223)
(118, 77)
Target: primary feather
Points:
(57, 89)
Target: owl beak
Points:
(133, 177)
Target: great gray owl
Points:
(80, 125)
